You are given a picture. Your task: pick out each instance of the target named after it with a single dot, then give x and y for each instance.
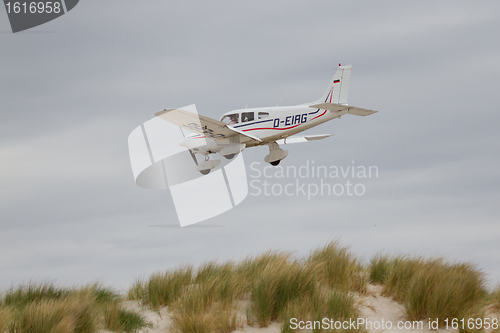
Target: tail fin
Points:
(339, 87)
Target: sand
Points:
(373, 306)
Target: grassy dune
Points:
(494, 298)
(432, 287)
(45, 307)
(274, 286)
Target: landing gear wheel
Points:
(230, 156)
(205, 172)
(275, 163)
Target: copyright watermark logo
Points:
(159, 162)
(310, 180)
(25, 15)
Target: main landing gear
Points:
(276, 154)
(207, 165)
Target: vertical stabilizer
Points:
(339, 86)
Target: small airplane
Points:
(271, 126)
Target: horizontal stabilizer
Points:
(306, 138)
(341, 107)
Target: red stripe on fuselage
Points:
(269, 128)
(282, 129)
(319, 115)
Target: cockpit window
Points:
(247, 116)
(263, 115)
(231, 119)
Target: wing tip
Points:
(159, 113)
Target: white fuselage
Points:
(283, 121)
(268, 124)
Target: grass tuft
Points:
(44, 308)
(277, 285)
(494, 298)
(72, 314)
(337, 267)
(162, 288)
(117, 319)
(183, 322)
(434, 288)
(6, 317)
(322, 303)
(380, 267)
(252, 267)
(23, 295)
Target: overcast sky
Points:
(73, 89)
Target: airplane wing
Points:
(305, 138)
(341, 107)
(199, 124)
(196, 123)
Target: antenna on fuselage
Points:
(280, 100)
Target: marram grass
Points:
(276, 286)
(215, 317)
(432, 288)
(337, 267)
(279, 286)
(219, 297)
(43, 307)
(24, 295)
(72, 314)
(494, 298)
(162, 289)
(322, 303)
(379, 269)
(274, 283)
(116, 319)
(6, 318)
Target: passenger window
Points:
(231, 119)
(246, 116)
(263, 115)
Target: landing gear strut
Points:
(207, 165)
(276, 154)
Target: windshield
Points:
(231, 119)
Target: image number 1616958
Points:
(25, 15)
(33, 7)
